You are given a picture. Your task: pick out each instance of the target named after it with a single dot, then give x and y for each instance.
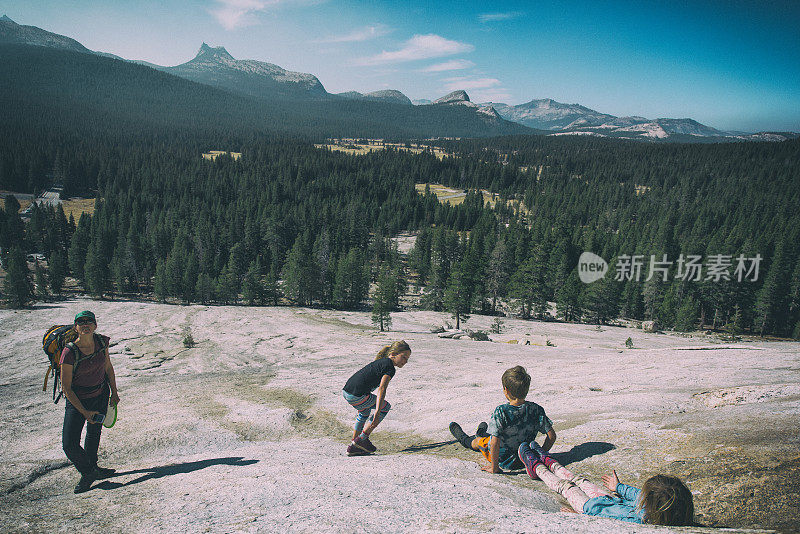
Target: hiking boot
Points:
(364, 444)
(85, 483)
(461, 436)
(481, 432)
(352, 450)
(530, 459)
(103, 472)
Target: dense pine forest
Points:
(289, 223)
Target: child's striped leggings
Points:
(364, 404)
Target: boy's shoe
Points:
(103, 472)
(364, 444)
(481, 432)
(530, 459)
(85, 483)
(352, 450)
(460, 435)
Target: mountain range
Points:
(565, 119)
(216, 67)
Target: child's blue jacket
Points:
(622, 507)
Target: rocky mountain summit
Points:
(11, 32)
(391, 96)
(215, 66)
(461, 98)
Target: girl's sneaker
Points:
(352, 450)
(365, 444)
(546, 458)
(530, 459)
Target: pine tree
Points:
(497, 274)
(528, 287)
(252, 285)
(12, 231)
(419, 257)
(687, 315)
(322, 257)
(272, 293)
(794, 300)
(385, 299)
(58, 271)
(204, 289)
(227, 286)
(458, 294)
(189, 279)
(17, 286)
(352, 280)
(772, 301)
(238, 262)
(78, 248)
(299, 280)
(632, 303)
(652, 295)
(734, 326)
(665, 315)
(118, 268)
(568, 298)
(97, 268)
(601, 300)
(160, 282)
(175, 267)
(41, 282)
(441, 257)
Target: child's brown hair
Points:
(395, 348)
(667, 501)
(517, 382)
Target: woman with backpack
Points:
(87, 379)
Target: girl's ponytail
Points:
(384, 352)
(395, 348)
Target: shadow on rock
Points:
(582, 452)
(427, 446)
(173, 469)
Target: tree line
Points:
(288, 223)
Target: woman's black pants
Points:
(84, 458)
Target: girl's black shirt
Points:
(369, 377)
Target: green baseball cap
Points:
(86, 314)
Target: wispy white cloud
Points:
(359, 35)
(491, 95)
(453, 84)
(453, 64)
(418, 47)
(497, 17)
(234, 14)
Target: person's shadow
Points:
(575, 454)
(582, 452)
(172, 469)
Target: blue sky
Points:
(733, 65)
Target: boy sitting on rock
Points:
(510, 425)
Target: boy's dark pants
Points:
(85, 458)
